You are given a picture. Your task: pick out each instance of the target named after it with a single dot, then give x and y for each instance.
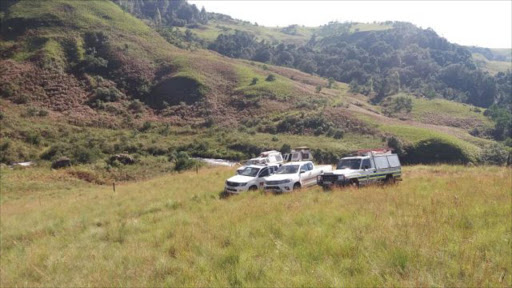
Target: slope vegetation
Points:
(84, 64)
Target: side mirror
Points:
(302, 171)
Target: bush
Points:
(285, 149)
(324, 156)
(107, 94)
(145, 127)
(21, 98)
(397, 145)
(33, 138)
(436, 150)
(183, 161)
(136, 106)
(270, 78)
(83, 155)
(254, 81)
(42, 113)
(338, 134)
(494, 154)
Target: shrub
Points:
(84, 155)
(254, 81)
(325, 156)
(494, 155)
(21, 98)
(54, 152)
(436, 150)
(145, 127)
(318, 89)
(136, 106)
(42, 113)
(33, 138)
(31, 112)
(397, 145)
(92, 64)
(338, 134)
(270, 78)
(286, 148)
(183, 161)
(107, 94)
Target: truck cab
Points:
(295, 175)
(368, 167)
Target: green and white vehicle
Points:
(370, 166)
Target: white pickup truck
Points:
(265, 158)
(295, 175)
(371, 167)
(251, 177)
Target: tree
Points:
(330, 82)
(158, 18)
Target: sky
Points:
(472, 23)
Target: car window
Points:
(310, 166)
(349, 163)
(366, 164)
(303, 168)
(288, 169)
(264, 172)
(249, 171)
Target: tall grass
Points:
(442, 226)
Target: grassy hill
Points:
(81, 75)
(442, 226)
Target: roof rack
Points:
(368, 152)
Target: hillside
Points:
(86, 79)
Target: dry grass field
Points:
(442, 226)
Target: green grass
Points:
(415, 135)
(447, 113)
(493, 67)
(362, 27)
(214, 28)
(442, 226)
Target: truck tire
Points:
(253, 188)
(296, 186)
(390, 180)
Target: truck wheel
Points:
(296, 186)
(253, 188)
(390, 180)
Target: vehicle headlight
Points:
(341, 177)
(319, 178)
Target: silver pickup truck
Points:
(367, 168)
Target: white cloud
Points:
(481, 23)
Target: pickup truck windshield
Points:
(349, 163)
(288, 169)
(249, 171)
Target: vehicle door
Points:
(303, 175)
(263, 173)
(368, 172)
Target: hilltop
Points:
(87, 79)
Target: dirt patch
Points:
(175, 91)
